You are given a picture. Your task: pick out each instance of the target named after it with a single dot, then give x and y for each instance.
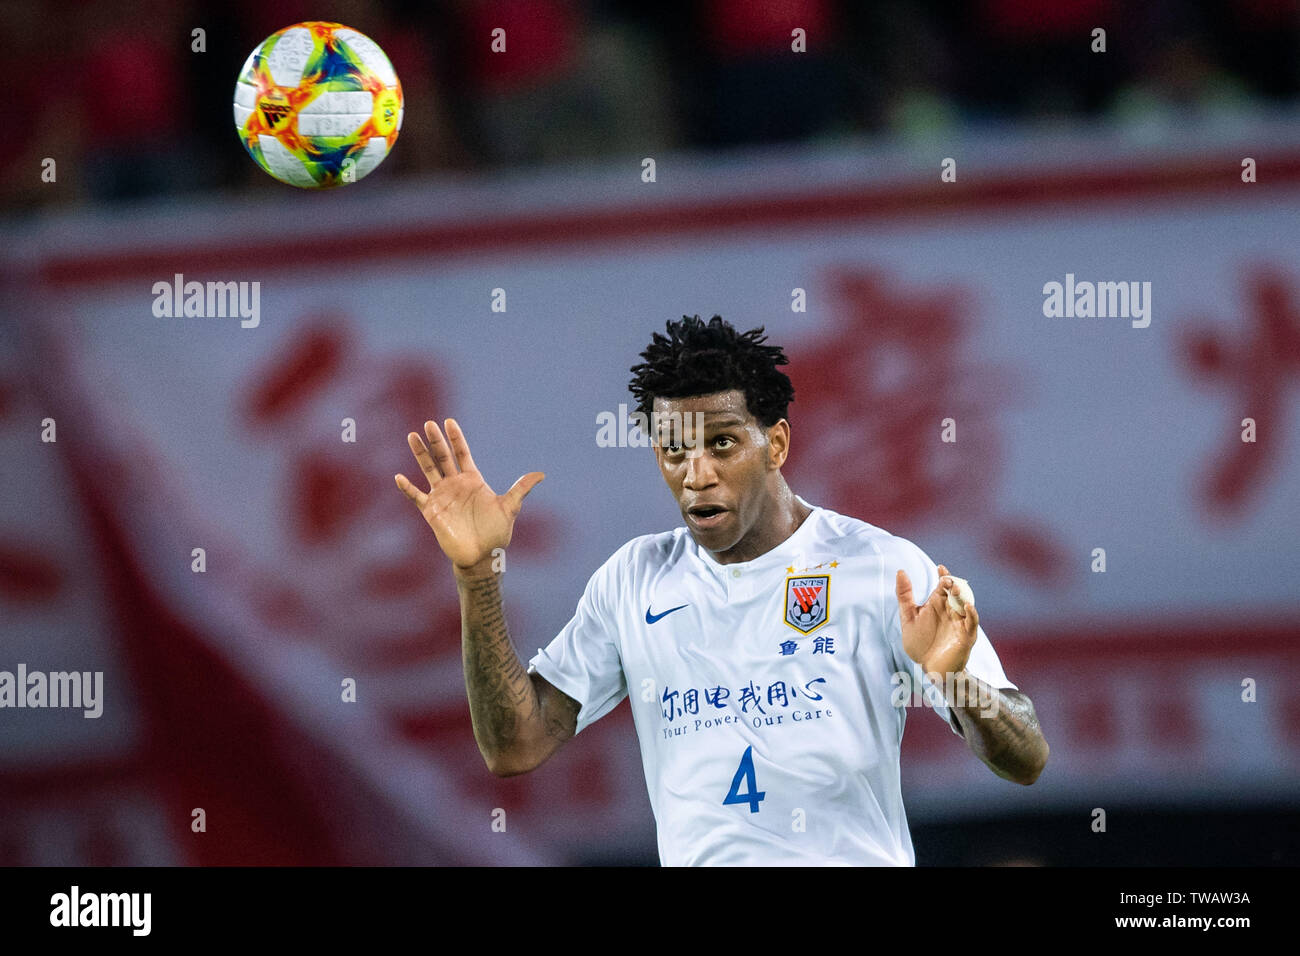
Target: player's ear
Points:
(778, 444)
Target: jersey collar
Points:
(778, 557)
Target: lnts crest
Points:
(807, 601)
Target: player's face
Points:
(725, 478)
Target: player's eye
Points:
(729, 441)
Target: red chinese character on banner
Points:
(1253, 369)
(359, 575)
(871, 403)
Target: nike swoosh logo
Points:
(651, 618)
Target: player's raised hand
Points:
(935, 636)
(468, 518)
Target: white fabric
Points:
(826, 761)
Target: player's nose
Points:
(700, 472)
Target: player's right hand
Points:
(468, 518)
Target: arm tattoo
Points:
(561, 714)
(1008, 740)
(501, 696)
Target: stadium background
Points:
(775, 171)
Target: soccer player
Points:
(766, 647)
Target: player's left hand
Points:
(935, 636)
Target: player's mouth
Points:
(706, 516)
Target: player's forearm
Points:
(1002, 730)
(503, 703)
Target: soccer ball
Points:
(318, 104)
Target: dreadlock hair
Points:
(699, 359)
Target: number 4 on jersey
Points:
(745, 772)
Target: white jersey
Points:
(763, 693)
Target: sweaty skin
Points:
(735, 465)
(519, 720)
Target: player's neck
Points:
(780, 520)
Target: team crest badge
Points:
(807, 601)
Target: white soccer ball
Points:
(317, 105)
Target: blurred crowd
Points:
(114, 92)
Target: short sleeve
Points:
(583, 660)
(924, 575)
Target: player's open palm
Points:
(935, 636)
(468, 518)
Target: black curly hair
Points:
(699, 359)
